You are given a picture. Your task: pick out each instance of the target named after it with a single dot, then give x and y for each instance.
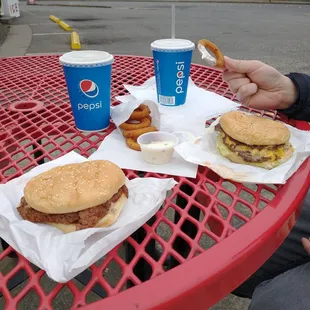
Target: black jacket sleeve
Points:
(300, 110)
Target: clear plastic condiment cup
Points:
(157, 147)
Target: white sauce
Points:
(158, 153)
(205, 55)
(159, 145)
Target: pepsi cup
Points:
(172, 62)
(88, 79)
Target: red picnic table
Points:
(208, 237)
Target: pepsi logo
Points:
(180, 66)
(89, 88)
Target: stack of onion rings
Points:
(138, 123)
(141, 112)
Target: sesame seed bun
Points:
(74, 187)
(254, 130)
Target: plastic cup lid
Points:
(85, 58)
(173, 44)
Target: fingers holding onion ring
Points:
(141, 112)
(132, 125)
(203, 47)
(135, 134)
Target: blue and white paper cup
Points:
(88, 78)
(172, 62)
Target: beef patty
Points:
(82, 219)
(247, 155)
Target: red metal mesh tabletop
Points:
(234, 227)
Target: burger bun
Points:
(254, 130)
(74, 187)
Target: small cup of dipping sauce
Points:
(157, 147)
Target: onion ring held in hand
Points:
(132, 144)
(136, 133)
(132, 125)
(203, 47)
(141, 112)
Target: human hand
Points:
(306, 244)
(258, 85)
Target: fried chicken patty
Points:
(253, 153)
(82, 219)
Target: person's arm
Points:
(300, 110)
(260, 86)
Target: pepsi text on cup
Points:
(89, 90)
(172, 71)
(180, 77)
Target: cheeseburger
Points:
(252, 140)
(75, 196)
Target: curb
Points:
(75, 41)
(17, 41)
(75, 38)
(64, 26)
(6, 20)
(54, 19)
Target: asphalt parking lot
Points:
(275, 34)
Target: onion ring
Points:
(136, 133)
(203, 46)
(142, 123)
(132, 144)
(139, 113)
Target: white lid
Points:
(86, 58)
(173, 44)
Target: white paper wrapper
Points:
(63, 256)
(114, 148)
(201, 105)
(203, 151)
(186, 122)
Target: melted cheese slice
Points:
(265, 152)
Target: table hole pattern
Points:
(149, 249)
(146, 267)
(164, 230)
(64, 294)
(127, 246)
(244, 209)
(214, 225)
(237, 221)
(31, 298)
(206, 242)
(268, 193)
(16, 291)
(229, 186)
(212, 207)
(47, 284)
(185, 245)
(127, 284)
(221, 211)
(112, 273)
